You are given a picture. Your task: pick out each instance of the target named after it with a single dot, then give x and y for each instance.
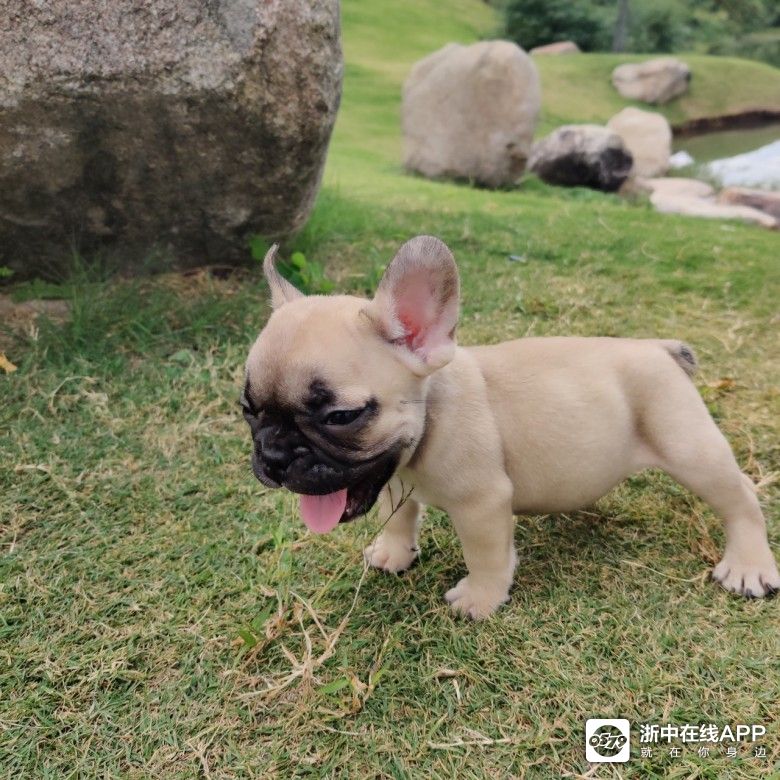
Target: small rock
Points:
(653, 81)
(764, 200)
(469, 112)
(559, 47)
(672, 195)
(647, 136)
(680, 159)
(582, 156)
(708, 208)
(672, 186)
(691, 197)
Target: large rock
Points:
(647, 136)
(653, 81)
(179, 124)
(582, 155)
(559, 47)
(469, 112)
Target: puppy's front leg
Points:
(485, 527)
(396, 547)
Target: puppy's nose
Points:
(275, 457)
(275, 451)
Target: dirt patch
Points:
(20, 317)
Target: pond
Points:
(748, 157)
(726, 143)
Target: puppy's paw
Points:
(476, 601)
(390, 553)
(752, 580)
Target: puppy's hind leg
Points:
(396, 547)
(692, 450)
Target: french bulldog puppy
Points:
(352, 400)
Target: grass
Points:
(160, 612)
(579, 89)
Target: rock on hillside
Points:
(654, 81)
(648, 137)
(469, 112)
(582, 156)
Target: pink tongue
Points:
(322, 513)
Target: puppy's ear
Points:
(416, 304)
(281, 290)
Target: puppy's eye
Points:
(343, 416)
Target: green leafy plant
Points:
(307, 275)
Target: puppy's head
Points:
(336, 385)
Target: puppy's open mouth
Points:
(323, 508)
(322, 513)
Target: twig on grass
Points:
(200, 752)
(661, 573)
(474, 738)
(590, 773)
(305, 668)
(343, 731)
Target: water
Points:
(759, 168)
(741, 158)
(726, 143)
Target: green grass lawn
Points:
(579, 88)
(162, 615)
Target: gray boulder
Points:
(654, 81)
(469, 112)
(181, 125)
(582, 156)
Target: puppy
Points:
(350, 400)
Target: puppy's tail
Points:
(682, 354)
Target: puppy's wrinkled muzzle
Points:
(301, 468)
(331, 490)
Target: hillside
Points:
(383, 39)
(578, 88)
